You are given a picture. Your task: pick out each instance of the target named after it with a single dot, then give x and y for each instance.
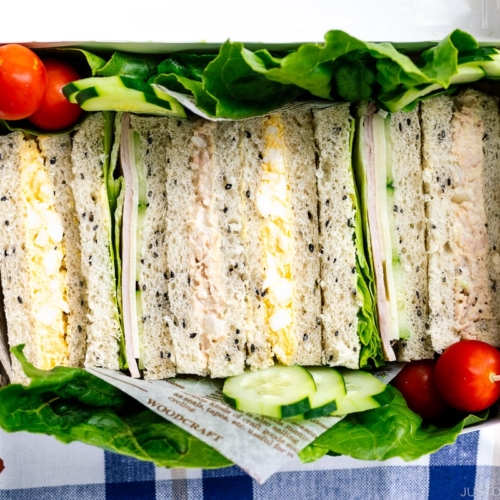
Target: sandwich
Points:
(239, 220)
(42, 281)
(55, 266)
(427, 181)
(460, 159)
(389, 176)
(309, 236)
(249, 245)
(350, 330)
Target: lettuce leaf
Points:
(229, 86)
(137, 66)
(115, 186)
(190, 66)
(239, 83)
(73, 405)
(390, 431)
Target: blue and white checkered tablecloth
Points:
(39, 467)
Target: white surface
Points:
(254, 21)
(344, 462)
(33, 460)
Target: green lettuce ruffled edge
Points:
(73, 405)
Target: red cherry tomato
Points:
(22, 82)
(416, 382)
(56, 112)
(464, 375)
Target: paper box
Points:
(202, 26)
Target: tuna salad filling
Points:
(204, 241)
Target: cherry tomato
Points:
(56, 112)
(416, 383)
(464, 375)
(22, 82)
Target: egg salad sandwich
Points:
(461, 149)
(282, 238)
(57, 301)
(41, 274)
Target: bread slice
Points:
(337, 215)
(259, 349)
(301, 162)
(286, 141)
(183, 324)
(409, 214)
(460, 148)
(208, 315)
(227, 356)
(91, 200)
(157, 349)
(439, 176)
(56, 153)
(13, 258)
(40, 261)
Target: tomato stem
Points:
(494, 377)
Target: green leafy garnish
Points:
(386, 432)
(73, 405)
(229, 86)
(136, 66)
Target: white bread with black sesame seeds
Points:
(56, 152)
(301, 163)
(157, 348)
(227, 356)
(337, 212)
(410, 225)
(91, 201)
(439, 165)
(259, 351)
(13, 264)
(299, 160)
(460, 148)
(185, 330)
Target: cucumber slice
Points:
(279, 391)
(330, 387)
(364, 392)
(363, 404)
(70, 90)
(122, 93)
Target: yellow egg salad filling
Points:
(273, 204)
(46, 255)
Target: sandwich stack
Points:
(338, 236)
